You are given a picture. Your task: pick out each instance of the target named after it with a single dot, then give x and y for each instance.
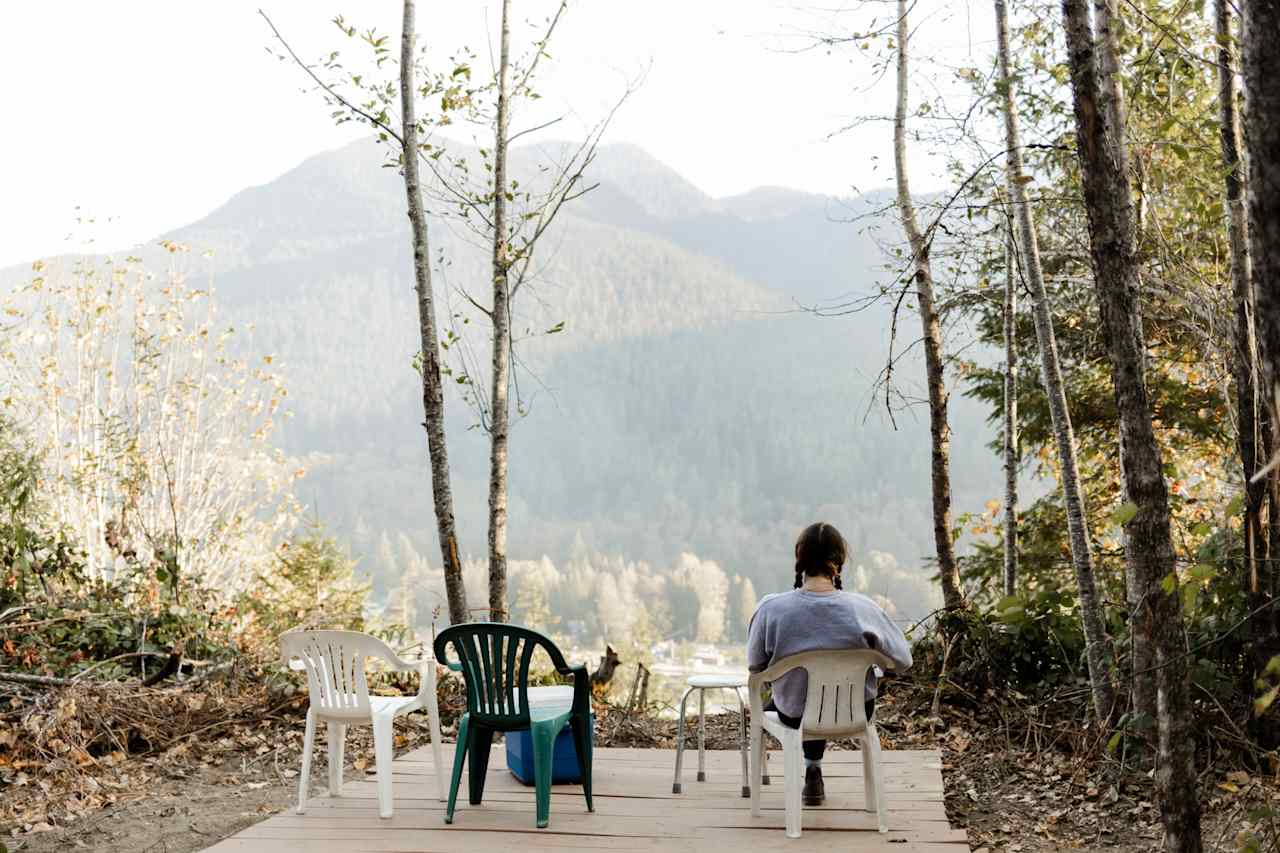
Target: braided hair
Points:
(820, 552)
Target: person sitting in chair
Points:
(818, 615)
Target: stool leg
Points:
(702, 735)
(742, 741)
(675, 784)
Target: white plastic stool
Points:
(703, 683)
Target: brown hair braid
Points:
(820, 552)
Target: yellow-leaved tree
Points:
(152, 427)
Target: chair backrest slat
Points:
(834, 704)
(513, 682)
(495, 660)
(831, 674)
(334, 664)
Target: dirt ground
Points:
(1027, 797)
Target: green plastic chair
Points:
(494, 661)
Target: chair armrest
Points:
(400, 664)
(440, 652)
(581, 687)
(427, 683)
(755, 684)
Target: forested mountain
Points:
(688, 405)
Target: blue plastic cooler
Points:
(564, 764)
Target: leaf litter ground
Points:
(117, 767)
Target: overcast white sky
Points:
(146, 115)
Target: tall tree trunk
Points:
(1010, 415)
(1261, 61)
(499, 420)
(1112, 99)
(1108, 203)
(1099, 650)
(922, 273)
(1245, 362)
(432, 391)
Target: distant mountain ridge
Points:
(690, 404)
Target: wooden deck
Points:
(635, 810)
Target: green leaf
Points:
(1236, 505)
(1263, 702)
(1114, 743)
(558, 327)
(1202, 529)
(1189, 598)
(1203, 572)
(1014, 614)
(1124, 513)
(1169, 583)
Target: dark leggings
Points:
(813, 749)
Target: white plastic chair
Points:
(834, 707)
(334, 663)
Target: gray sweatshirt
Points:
(787, 623)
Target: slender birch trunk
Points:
(501, 317)
(1245, 361)
(1010, 415)
(922, 273)
(1108, 202)
(1099, 650)
(432, 391)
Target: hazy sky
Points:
(145, 115)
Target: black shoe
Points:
(814, 793)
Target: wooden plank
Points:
(635, 811)
(609, 805)
(671, 826)
(666, 757)
(538, 841)
(468, 820)
(770, 841)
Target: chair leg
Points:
(437, 743)
(868, 771)
(877, 771)
(793, 781)
(459, 756)
(582, 745)
(383, 754)
(478, 761)
(304, 778)
(675, 783)
(543, 736)
(702, 735)
(742, 743)
(757, 765)
(337, 740)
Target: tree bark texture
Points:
(1108, 203)
(1261, 64)
(1010, 416)
(1250, 422)
(1100, 653)
(922, 274)
(499, 417)
(432, 390)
